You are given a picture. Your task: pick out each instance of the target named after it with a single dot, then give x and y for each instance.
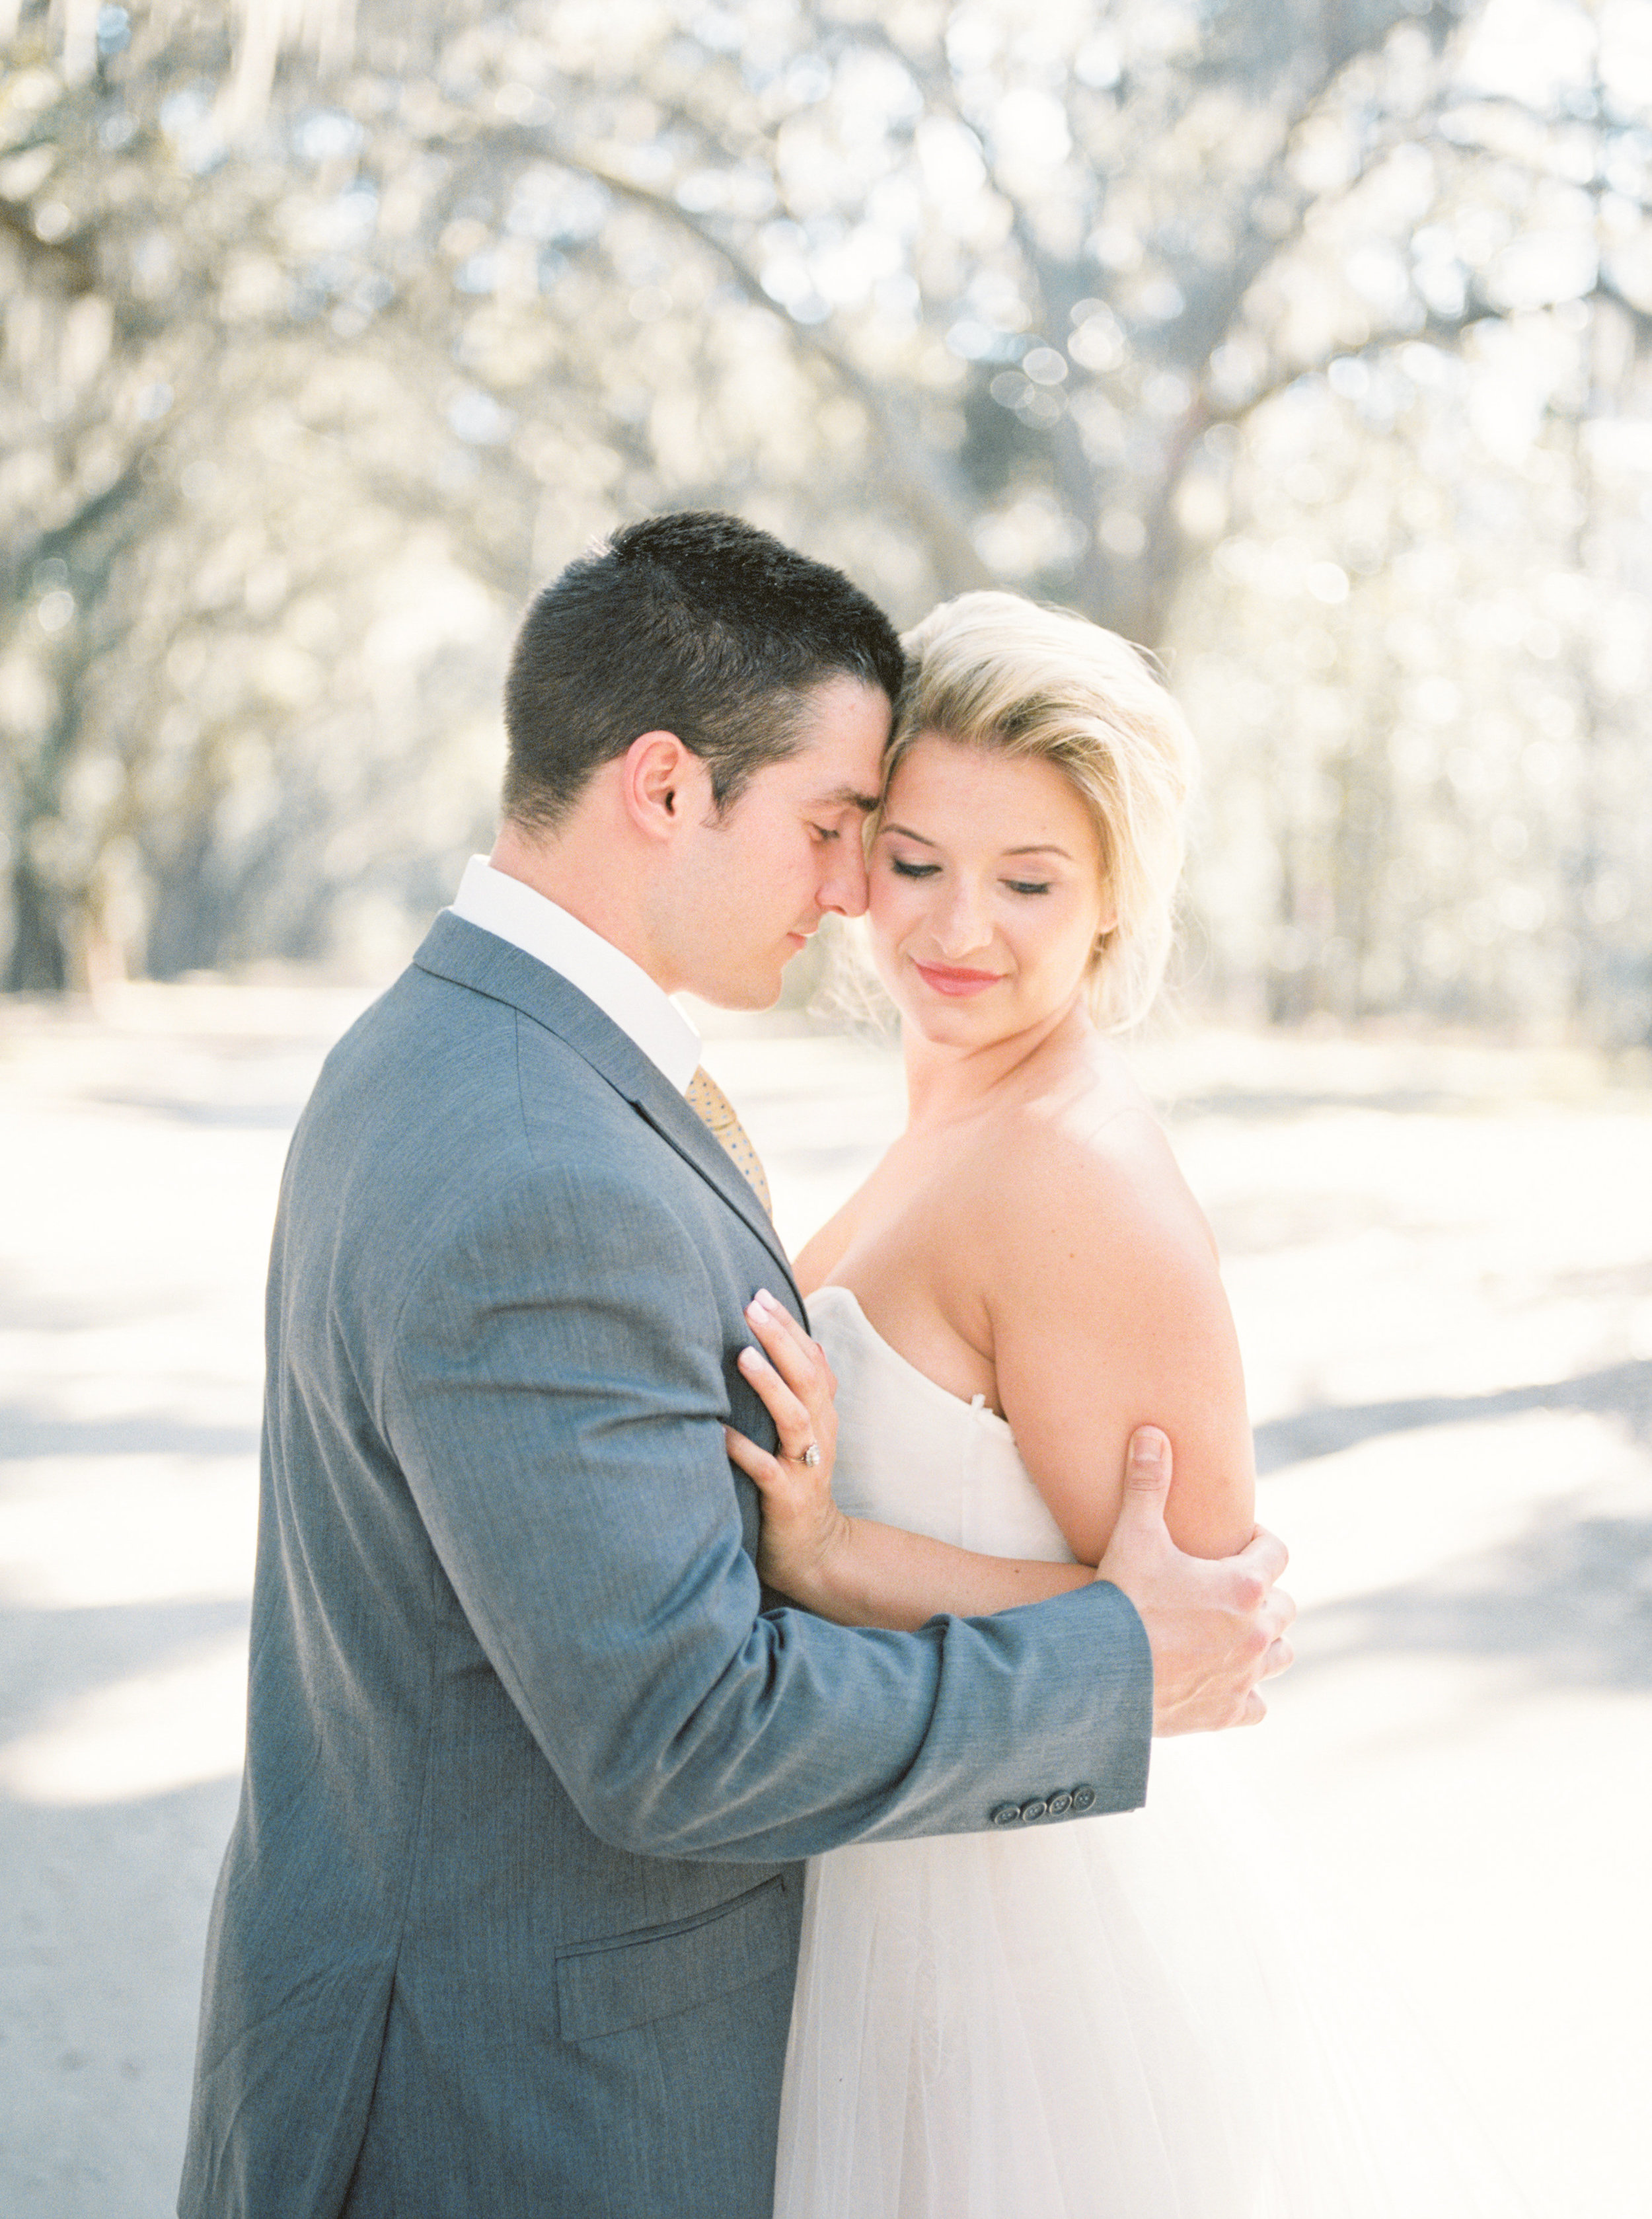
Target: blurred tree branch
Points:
(314, 362)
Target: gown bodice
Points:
(911, 1454)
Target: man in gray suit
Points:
(507, 1923)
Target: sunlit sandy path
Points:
(1441, 1265)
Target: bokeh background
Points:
(1305, 344)
(1301, 340)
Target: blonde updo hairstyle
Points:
(996, 671)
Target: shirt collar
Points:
(621, 989)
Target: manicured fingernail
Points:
(766, 1299)
(747, 1358)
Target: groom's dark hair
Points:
(695, 624)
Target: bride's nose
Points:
(960, 921)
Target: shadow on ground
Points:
(55, 1657)
(1620, 1390)
(252, 1117)
(1571, 1601)
(26, 1435)
(100, 1970)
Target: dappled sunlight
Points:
(79, 1533)
(1429, 1507)
(145, 1735)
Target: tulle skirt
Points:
(1112, 2018)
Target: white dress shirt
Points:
(622, 990)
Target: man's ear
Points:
(663, 785)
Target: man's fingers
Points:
(1274, 1612)
(1265, 1554)
(1218, 1628)
(1147, 1464)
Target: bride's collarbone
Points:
(937, 1223)
(915, 1273)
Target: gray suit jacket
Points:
(507, 1923)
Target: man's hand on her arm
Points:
(1216, 1627)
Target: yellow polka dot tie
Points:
(715, 1110)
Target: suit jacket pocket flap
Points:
(603, 1987)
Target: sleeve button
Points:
(1034, 1810)
(1061, 1804)
(1084, 1798)
(1006, 1814)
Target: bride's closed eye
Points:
(1029, 885)
(903, 870)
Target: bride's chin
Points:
(950, 1023)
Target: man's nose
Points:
(844, 889)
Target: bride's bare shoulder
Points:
(820, 1255)
(1099, 1280)
(825, 1249)
(1089, 1148)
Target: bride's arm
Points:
(1105, 1311)
(901, 1580)
(853, 1569)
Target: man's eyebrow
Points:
(845, 796)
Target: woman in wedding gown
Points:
(1067, 2019)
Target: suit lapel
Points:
(467, 956)
(678, 1126)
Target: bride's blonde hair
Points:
(997, 671)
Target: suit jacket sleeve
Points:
(555, 1392)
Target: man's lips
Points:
(947, 978)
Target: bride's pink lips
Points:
(960, 985)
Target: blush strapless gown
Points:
(1113, 2018)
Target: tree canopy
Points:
(1300, 342)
